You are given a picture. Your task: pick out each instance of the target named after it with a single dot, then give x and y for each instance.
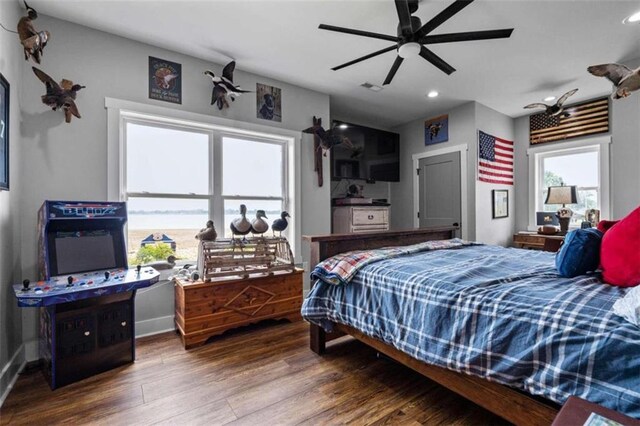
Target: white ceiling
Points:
(548, 53)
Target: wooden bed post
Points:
(317, 339)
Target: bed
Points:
(496, 325)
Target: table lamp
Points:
(563, 195)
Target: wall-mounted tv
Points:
(374, 155)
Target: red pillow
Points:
(620, 252)
(605, 225)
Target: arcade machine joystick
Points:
(69, 281)
(25, 285)
(138, 268)
(106, 275)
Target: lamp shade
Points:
(562, 195)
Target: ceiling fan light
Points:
(632, 19)
(409, 50)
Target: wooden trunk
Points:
(205, 309)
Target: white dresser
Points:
(349, 219)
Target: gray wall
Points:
(489, 230)
(69, 160)
(623, 168)
(11, 349)
(462, 131)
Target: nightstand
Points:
(576, 411)
(535, 241)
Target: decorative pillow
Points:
(605, 225)
(620, 252)
(580, 252)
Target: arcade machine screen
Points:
(83, 251)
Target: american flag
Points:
(495, 159)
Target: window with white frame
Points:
(176, 177)
(579, 166)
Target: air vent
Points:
(371, 86)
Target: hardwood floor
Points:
(260, 375)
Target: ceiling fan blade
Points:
(404, 16)
(370, 55)
(436, 60)
(393, 70)
(358, 32)
(441, 17)
(468, 36)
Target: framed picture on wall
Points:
(4, 133)
(500, 203)
(436, 130)
(165, 80)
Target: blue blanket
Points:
(501, 314)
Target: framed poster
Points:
(165, 80)
(500, 203)
(269, 102)
(4, 133)
(436, 130)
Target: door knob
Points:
(456, 224)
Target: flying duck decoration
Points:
(223, 87)
(61, 95)
(624, 79)
(412, 36)
(259, 225)
(241, 225)
(32, 40)
(555, 109)
(280, 224)
(323, 141)
(208, 233)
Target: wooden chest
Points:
(205, 309)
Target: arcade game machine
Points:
(86, 292)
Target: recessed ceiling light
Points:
(370, 86)
(549, 98)
(632, 19)
(343, 126)
(432, 94)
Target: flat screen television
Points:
(373, 155)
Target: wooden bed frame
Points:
(509, 403)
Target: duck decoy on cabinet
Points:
(241, 225)
(223, 87)
(280, 224)
(208, 233)
(259, 225)
(61, 95)
(32, 40)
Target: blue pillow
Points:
(580, 252)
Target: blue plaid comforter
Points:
(501, 314)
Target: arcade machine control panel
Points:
(69, 288)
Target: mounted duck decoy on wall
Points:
(323, 141)
(32, 40)
(259, 225)
(61, 95)
(280, 224)
(241, 225)
(223, 87)
(624, 79)
(555, 109)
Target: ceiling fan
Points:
(412, 36)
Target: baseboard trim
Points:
(10, 373)
(154, 326)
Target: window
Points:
(583, 166)
(176, 177)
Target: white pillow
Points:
(628, 307)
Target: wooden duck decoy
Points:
(32, 40)
(259, 225)
(208, 233)
(280, 224)
(61, 95)
(241, 225)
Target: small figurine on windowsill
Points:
(208, 233)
